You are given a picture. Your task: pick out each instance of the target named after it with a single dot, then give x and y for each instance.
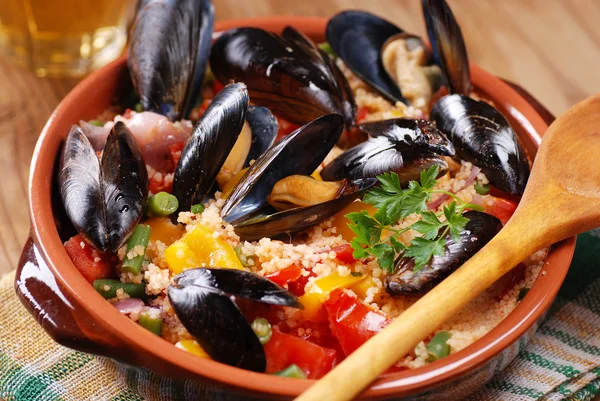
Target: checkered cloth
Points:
(562, 362)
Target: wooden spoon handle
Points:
(374, 357)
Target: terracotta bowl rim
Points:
(43, 229)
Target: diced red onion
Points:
(443, 198)
(129, 305)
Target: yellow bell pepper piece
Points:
(341, 223)
(316, 175)
(322, 287)
(361, 287)
(198, 248)
(192, 347)
(164, 230)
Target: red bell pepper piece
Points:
(282, 350)
(344, 253)
(91, 263)
(285, 276)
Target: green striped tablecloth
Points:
(562, 362)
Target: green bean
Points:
(108, 288)
(482, 189)
(438, 346)
(162, 204)
(97, 123)
(140, 237)
(152, 323)
(326, 47)
(197, 208)
(262, 329)
(293, 371)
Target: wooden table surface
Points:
(551, 48)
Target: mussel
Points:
(103, 199)
(394, 145)
(302, 190)
(202, 299)
(169, 46)
(207, 148)
(484, 137)
(479, 230)
(301, 152)
(449, 49)
(285, 74)
(290, 221)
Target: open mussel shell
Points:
(357, 38)
(207, 148)
(483, 136)
(264, 127)
(202, 300)
(479, 230)
(299, 219)
(449, 49)
(280, 74)
(328, 66)
(168, 51)
(301, 152)
(104, 200)
(391, 141)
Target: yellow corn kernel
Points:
(198, 248)
(192, 347)
(164, 230)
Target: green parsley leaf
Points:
(429, 177)
(367, 229)
(456, 221)
(429, 226)
(385, 256)
(423, 249)
(397, 245)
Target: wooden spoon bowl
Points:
(562, 199)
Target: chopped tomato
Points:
(175, 152)
(319, 333)
(157, 183)
(127, 113)
(285, 128)
(344, 253)
(285, 276)
(217, 86)
(91, 263)
(297, 287)
(282, 350)
(361, 114)
(503, 209)
(352, 322)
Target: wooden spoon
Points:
(562, 199)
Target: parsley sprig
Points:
(395, 204)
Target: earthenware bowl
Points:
(67, 307)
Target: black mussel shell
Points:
(357, 38)
(209, 145)
(202, 300)
(168, 51)
(104, 200)
(282, 75)
(483, 136)
(264, 127)
(449, 49)
(391, 142)
(480, 229)
(301, 152)
(299, 219)
(324, 60)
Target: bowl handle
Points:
(56, 312)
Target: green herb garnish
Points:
(197, 208)
(522, 294)
(356, 274)
(326, 47)
(394, 204)
(482, 189)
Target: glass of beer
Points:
(64, 37)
